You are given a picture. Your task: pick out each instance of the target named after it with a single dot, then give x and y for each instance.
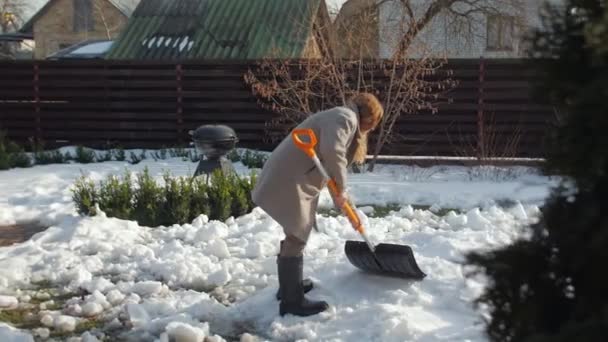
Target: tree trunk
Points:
(377, 148)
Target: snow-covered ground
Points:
(219, 278)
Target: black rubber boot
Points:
(307, 284)
(293, 300)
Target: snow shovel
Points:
(386, 259)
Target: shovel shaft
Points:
(369, 243)
(309, 148)
(384, 258)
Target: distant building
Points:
(60, 24)
(488, 35)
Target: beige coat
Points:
(289, 185)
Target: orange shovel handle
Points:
(309, 149)
(306, 147)
(347, 209)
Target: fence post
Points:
(36, 84)
(179, 110)
(480, 124)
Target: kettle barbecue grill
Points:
(213, 143)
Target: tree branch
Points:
(408, 8)
(434, 8)
(465, 9)
(103, 20)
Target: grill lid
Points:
(214, 133)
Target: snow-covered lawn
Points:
(219, 278)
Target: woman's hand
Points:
(340, 199)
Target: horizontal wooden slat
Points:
(123, 125)
(144, 104)
(251, 117)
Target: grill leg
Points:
(208, 166)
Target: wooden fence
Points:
(155, 104)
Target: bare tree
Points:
(94, 18)
(109, 29)
(12, 14)
(349, 62)
(298, 88)
(102, 17)
(409, 18)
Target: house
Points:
(357, 26)
(491, 34)
(223, 29)
(62, 23)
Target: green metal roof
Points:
(217, 29)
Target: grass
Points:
(441, 212)
(81, 327)
(384, 211)
(381, 211)
(54, 294)
(42, 284)
(19, 318)
(26, 316)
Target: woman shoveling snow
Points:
(289, 186)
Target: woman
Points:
(289, 185)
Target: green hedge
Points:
(253, 160)
(12, 155)
(180, 200)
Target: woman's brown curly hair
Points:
(370, 112)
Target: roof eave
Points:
(28, 27)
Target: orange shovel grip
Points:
(306, 147)
(309, 149)
(352, 217)
(346, 208)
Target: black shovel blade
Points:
(389, 259)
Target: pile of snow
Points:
(8, 302)
(212, 279)
(166, 283)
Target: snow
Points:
(115, 297)
(8, 301)
(218, 279)
(147, 288)
(42, 332)
(184, 332)
(10, 334)
(65, 323)
(93, 48)
(87, 337)
(92, 309)
(47, 320)
(476, 220)
(218, 248)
